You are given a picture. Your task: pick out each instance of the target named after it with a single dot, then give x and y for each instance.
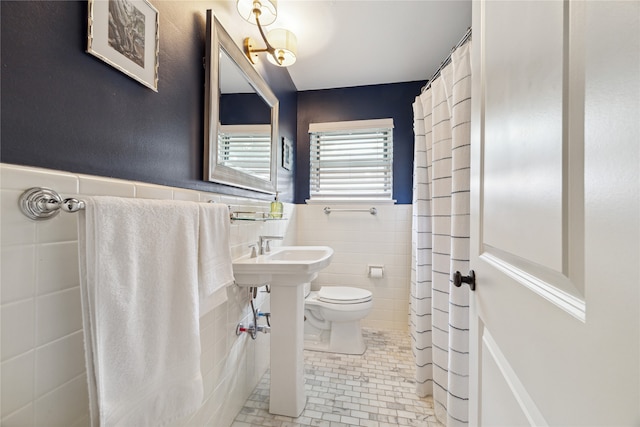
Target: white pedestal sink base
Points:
(287, 269)
(287, 394)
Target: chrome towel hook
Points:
(39, 203)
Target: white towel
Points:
(139, 285)
(215, 268)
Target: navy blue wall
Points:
(361, 103)
(244, 108)
(64, 109)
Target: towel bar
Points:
(372, 211)
(39, 203)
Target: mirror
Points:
(241, 117)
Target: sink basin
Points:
(286, 269)
(285, 265)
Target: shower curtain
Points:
(440, 239)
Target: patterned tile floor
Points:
(373, 390)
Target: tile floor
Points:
(373, 390)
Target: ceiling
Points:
(344, 43)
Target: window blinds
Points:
(246, 148)
(351, 160)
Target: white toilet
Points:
(332, 318)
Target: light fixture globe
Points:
(268, 10)
(285, 45)
(281, 44)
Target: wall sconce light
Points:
(281, 44)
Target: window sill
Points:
(350, 202)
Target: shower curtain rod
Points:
(463, 40)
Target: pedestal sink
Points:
(286, 269)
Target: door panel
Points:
(531, 181)
(509, 403)
(555, 319)
(523, 174)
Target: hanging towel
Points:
(139, 287)
(215, 268)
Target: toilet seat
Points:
(343, 295)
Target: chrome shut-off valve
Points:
(264, 329)
(251, 330)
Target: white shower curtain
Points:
(440, 239)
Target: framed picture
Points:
(287, 153)
(124, 34)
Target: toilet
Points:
(332, 318)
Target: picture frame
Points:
(287, 153)
(124, 34)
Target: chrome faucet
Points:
(263, 243)
(253, 250)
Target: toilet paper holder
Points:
(376, 271)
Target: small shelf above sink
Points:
(258, 219)
(253, 216)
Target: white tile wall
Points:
(359, 239)
(42, 356)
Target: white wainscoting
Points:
(360, 239)
(42, 354)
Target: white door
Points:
(555, 319)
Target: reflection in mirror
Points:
(241, 117)
(244, 133)
(245, 148)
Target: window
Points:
(246, 148)
(351, 160)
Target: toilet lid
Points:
(343, 295)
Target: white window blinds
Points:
(351, 160)
(246, 148)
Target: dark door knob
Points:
(459, 279)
